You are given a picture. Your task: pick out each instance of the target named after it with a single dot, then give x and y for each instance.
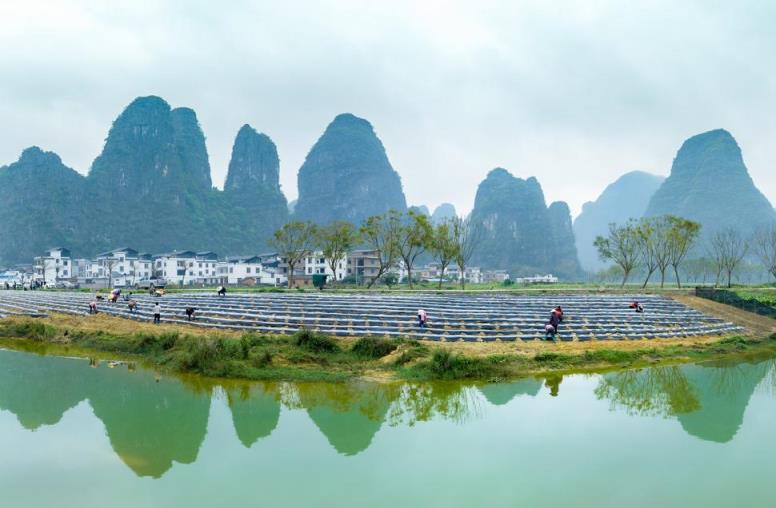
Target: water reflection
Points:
(154, 421)
(708, 400)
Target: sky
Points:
(574, 93)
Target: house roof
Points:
(177, 254)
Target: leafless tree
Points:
(727, 249)
(764, 243)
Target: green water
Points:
(76, 435)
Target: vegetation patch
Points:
(373, 347)
(310, 355)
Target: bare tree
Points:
(466, 234)
(621, 246)
(294, 242)
(381, 235)
(727, 249)
(109, 263)
(764, 243)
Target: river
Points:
(80, 433)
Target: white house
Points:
(125, 266)
(316, 263)
(537, 279)
(242, 268)
(55, 265)
(187, 267)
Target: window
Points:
(248, 270)
(231, 269)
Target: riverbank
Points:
(310, 356)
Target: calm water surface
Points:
(75, 434)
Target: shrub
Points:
(262, 360)
(27, 329)
(446, 365)
(373, 347)
(315, 342)
(201, 355)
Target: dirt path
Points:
(755, 324)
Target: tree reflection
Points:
(663, 391)
(419, 402)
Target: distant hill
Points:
(443, 212)
(520, 233)
(149, 188)
(626, 197)
(347, 175)
(710, 184)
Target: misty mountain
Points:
(625, 198)
(347, 175)
(519, 232)
(710, 184)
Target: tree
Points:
(336, 240)
(444, 246)
(681, 236)
(381, 235)
(415, 236)
(651, 240)
(109, 263)
(621, 246)
(466, 235)
(727, 249)
(764, 243)
(294, 242)
(390, 279)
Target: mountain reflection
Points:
(255, 411)
(708, 400)
(154, 421)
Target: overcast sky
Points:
(574, 93)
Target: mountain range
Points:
(151, 188)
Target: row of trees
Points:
(654, 243)
(394, 237)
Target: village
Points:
(128, 268)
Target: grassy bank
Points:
(313, 356)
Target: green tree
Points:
(680, 237)
(466, 235)
(650, 237)
(336, 240)
(621, 246)
(381, 235)
(415, 236)
(444, 246)
(294, 241)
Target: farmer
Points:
(132, 305)
(549, 331)
(93, 307)
(636, 306)
(555, 319)
(422, 318)
(157, 313)
(221, 291)
(190, 313)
